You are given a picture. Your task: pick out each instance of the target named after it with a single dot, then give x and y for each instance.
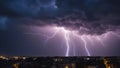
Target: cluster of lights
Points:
(17, 57)
(3, 57)
(14, 57)
(58, 60)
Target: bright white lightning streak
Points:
(67, 42)
(84, 41)
(66, 36)
(57, 29)
(85, 44)
(52, 36)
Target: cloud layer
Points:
(96, 16)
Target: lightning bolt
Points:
(47, 36)
(52, 36)
(84, 41)
(66, 37)
(68, 34)
(67, 42)
(85, 45)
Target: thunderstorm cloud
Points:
(92, 17)
(95, 15)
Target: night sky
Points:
(60, 27)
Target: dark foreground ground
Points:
(59, 62)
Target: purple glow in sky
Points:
(60, 27)
(73, 39)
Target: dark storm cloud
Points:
(27, 8)
(95, 15)
(87, 16)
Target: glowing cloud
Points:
(85, 40)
